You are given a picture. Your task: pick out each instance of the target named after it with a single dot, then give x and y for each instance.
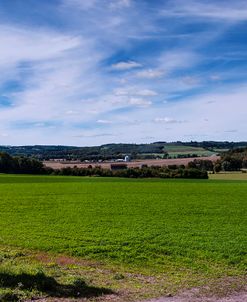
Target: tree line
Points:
(142, 172)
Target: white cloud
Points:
(150, 73)
(72, 112)
(126, 65)
(146, 92)
(104, 122)
(167, 120)
(134, 91)
(123, 101)
(139, 102)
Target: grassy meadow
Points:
(186, 231)
(176, 150)
(228, 176)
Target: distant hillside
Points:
(116, 151)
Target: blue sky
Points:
(88, 72)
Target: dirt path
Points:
(190, 296)
(194, 296)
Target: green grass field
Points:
(175, 151)
(228, 176)
(182, 227)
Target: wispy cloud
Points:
(20, 45)
(95, 135)
(214, 10)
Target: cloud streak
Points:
(213, 10)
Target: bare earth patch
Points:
(229, 289)
(192, 296)
(133, 287)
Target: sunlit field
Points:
(153, 226)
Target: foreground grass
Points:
(149, 237)
(32, 275)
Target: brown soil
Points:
(189, 296)
(192, 296)
(137, 163)
(228, 289)
(133, 287)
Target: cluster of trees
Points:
(143, 172)
(233, 160)
(205, 165)
(20, 165)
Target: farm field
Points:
(175, 150)
(150, 237)
(228, 176)
(132, 164)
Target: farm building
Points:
(121, 166)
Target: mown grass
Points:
(183, 229)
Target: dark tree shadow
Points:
(50, 286)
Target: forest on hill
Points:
(114, 151)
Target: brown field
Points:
(132, 164)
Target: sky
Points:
(91, 72)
